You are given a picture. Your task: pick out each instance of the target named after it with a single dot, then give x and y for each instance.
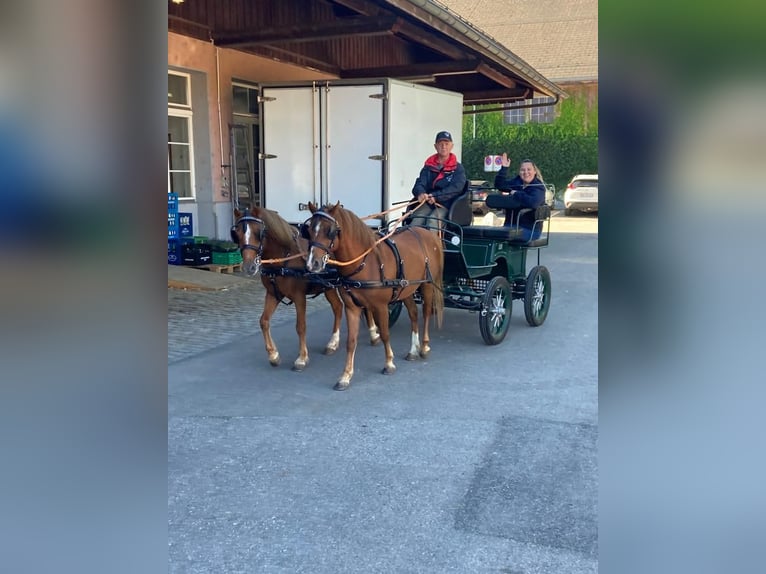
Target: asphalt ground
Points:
(478, 459)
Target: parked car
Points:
(581, 194)
(479, 189)
(550, 195)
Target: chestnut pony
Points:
(263, 234)
(375, 273)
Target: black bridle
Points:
(242, 222)
(332, 233)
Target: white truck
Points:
(362, 143)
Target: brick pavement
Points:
(199, 320)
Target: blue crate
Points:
(172, 203)
(174, 252)
(173, 229)
(185, 225)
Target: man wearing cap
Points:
(441, 181)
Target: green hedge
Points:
(561, 149)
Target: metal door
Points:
(354, 163)
(289, 157)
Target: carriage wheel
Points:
(394, 310)
(495, 315)
(537, 295)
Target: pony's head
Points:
(322, 230)
(249, 232)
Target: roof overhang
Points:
(414, 40)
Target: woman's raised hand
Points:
(506, 161)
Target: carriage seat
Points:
(460, 211)
(515, 233)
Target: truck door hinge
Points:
(378, 96)
(378, 157)
(266, 156)
(262, 99)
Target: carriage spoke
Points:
(538, 299)
(497, 309)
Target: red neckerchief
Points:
(433, 163)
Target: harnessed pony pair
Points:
(272, 247)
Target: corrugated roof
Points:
(558, 37)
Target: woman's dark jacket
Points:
(527, 195)
(445, 183)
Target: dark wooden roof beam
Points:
(415, 70)
(359, 6)
(311, 32)
(496, 76)
(419, 36)
(297, 59)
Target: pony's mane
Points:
(356, 231)
(277, 229)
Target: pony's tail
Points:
(438, 298)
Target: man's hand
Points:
(427, 197)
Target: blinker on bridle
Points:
(243, 222)
(332, 233)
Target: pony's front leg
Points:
(372, 328)
(269, 306)
(353, 315)
(381, 315)
(412, 311)
(300, 327)
(427, 292)
(337, 312)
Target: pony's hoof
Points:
(424, 354)
(375, 341)
(411, 357)
(298, 368)
(388, 370)
(340, 386)
(275, 362)
(329, 351)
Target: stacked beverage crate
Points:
(225, 253)
(174, 241)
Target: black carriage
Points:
(485, 267)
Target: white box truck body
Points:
(360, 143)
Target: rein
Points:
(399, 283)
(399, 206)
(262, 234)
(377, 242)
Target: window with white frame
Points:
(515, 116)
(539, 114)
(180, 150)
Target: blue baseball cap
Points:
(443, 136)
